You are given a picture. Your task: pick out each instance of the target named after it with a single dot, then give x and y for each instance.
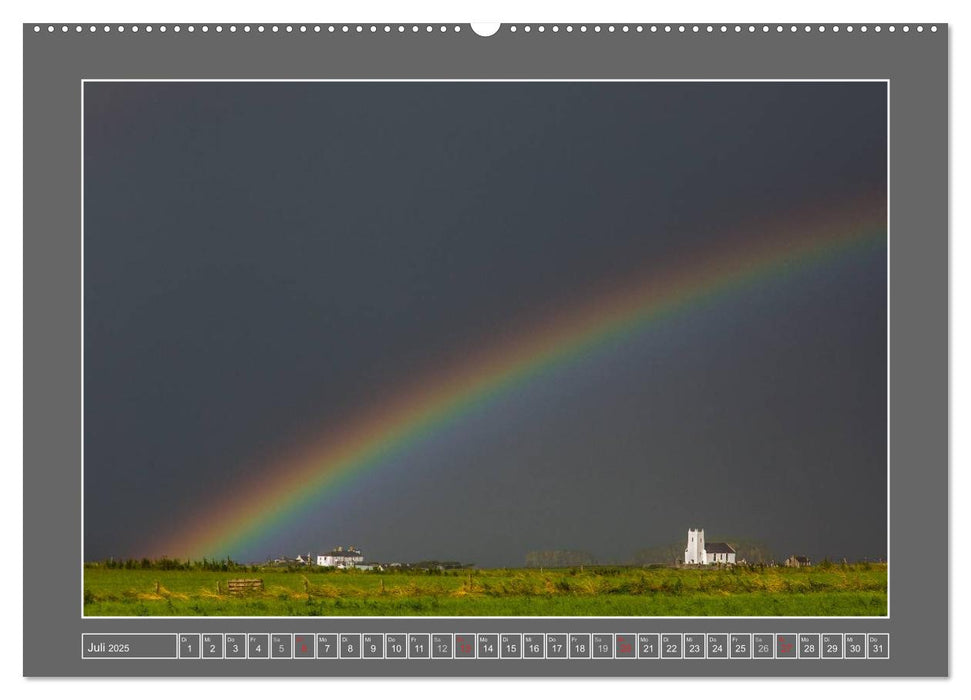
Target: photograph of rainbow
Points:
(536, 348)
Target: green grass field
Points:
(596, 591)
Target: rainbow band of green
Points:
(264, 510)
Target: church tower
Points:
(695, 553)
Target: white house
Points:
(720, 553)
(697, 552)
(341, 558)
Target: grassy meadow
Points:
(855, 589)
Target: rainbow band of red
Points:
(291, 488)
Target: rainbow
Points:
(288, 489)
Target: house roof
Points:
(801, 558)
(344, 553)
(719, 548)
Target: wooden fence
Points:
(241, 586)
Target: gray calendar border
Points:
(916, 66)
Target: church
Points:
(698, 552)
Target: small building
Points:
(341, 558)
(798, 561)
(288, 561)
(697, 552)
(720, 553)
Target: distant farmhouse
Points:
(698, 552)
(341, 558)
(351, 557)
(798, 561)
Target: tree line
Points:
(670, 554)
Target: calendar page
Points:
(517, 349)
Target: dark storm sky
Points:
(264, 259)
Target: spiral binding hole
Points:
(525, 28)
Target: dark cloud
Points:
(263, 259)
